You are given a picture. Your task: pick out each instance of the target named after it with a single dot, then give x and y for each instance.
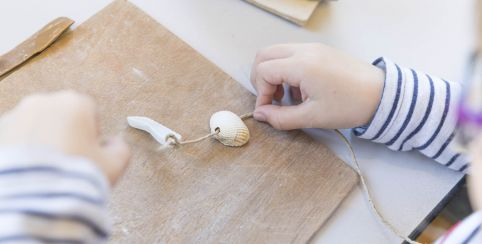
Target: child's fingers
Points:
(269, 53)
(115, 157)
(273, 73)
(274, 52)
(284, 117)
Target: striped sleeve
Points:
(49, 197)
(467, 231)
(416, 112)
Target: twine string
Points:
(368, 193)
(246, 116)
(172, 140)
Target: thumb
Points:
(115, 155)
(284, 117)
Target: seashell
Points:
(232, 130)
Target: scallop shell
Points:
(232, 130)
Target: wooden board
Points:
(279, 188)
(34, 45)
(296, 11)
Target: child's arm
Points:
(55, 171)
(466, 231)
(49, 197)
(383, 102)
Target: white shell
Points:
(232, 130)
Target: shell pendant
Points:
(229, 129)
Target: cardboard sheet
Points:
(296, 11)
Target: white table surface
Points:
(433, 36)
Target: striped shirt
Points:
(48, 197)
(417, 112)
(467, 231)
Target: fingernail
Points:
(259, 116)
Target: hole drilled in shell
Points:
(229, 128)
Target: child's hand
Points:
(65, 121)
(337, 90)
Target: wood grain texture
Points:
(296, 11)
(279, 188)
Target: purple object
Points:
(464, 116)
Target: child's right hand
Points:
(337, 91)
(65, 121)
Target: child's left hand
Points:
(336, 90)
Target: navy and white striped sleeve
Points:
(417, 111)
(467, 231)
(49, 197)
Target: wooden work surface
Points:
(279, 188)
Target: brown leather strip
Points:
(34, 45)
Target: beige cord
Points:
(246, 116)
(368, 194)
(174, 141)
